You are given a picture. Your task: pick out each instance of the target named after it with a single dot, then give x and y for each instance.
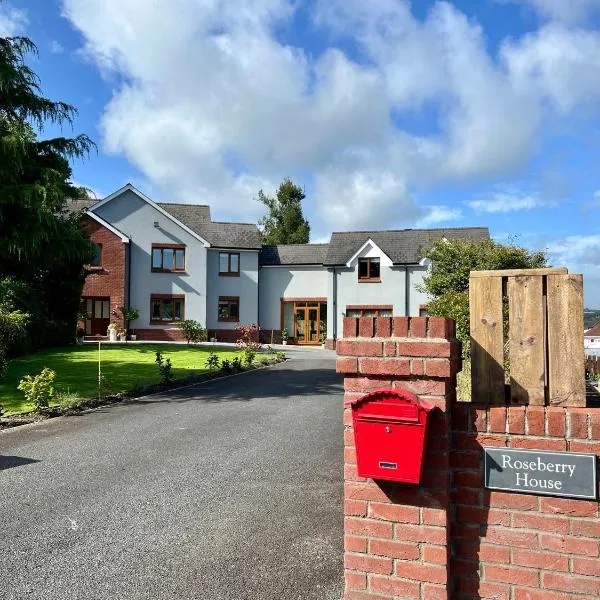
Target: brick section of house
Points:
(519, 546)
(397, 536)
(449, 537)
(107, 281)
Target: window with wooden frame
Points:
(167, 308)
(229, 308)
(97, 260)
(369, 269)
(168, 258)
(229, 264)
(373, 310)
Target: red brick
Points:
(469, 532)
(359, 348)
(351, 474)
(586, 566)
(360, 595)
(536, 420)
(368, 527)
(493, 591)
(440, 327)
(587, 447)
(540, 560)
(350, 455)
(435, 554)
(394, 512)
(350, 327)
(578, 422)
(417, 367)
(498, 419)
(384, 326)
(355, 508)
(508, 500)
(516, 419)
(365, 384)
(541, 522)
(595, 417)
(585, 527)
(538, 443)
(480, 420)
(512, 575)
(366, 327)
(418, 327)
(353, 543)
(471, 479)
(461, 417)
(438, 367)
(369, 564)
(421, 572)
(425, 349)
(556, 422)
(466, 460)
(434, 592)
(394, 549)
(391, 366)
(346, 365)
(400, 326)
(364, 491)
(529, 594)
(394, 587)
(569, 545)
(465, 441)
(493, 553)
(424, 387)
(570, 583)
(389, 348)
(415, 533)
(564, 506)
(510, 537)
(355, 581)
(435, 516)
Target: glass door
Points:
(312, 325)
(300, 324)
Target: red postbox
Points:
(389, 435)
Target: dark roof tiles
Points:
(293, 254)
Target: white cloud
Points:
(508, 201)
(212, 105)
(56, 47)
(12, 20)
(439, 214)
(571, 11)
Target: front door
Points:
(98, 312)
(307, 323)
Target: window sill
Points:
(229, 274)
(165, 322)
(172, 271)
(369, 281)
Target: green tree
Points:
(42, 247)
(285, 222)
(447, 283)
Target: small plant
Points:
(165, 368)
(226, 366)
(212, 362)
(248, 354)
(68, 399)
(285, 335)
(236, 364)
(112, 327)
(130, 314)
(193, 331)
(38, 389)
(270, 350)
(280, 356)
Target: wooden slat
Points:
(566, 355)
(526, 340)
(487, 370)
(520, 272)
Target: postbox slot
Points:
(387, 418)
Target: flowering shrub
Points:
(248, 336)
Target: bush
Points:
(13, 333)
(38, 390)
(193, 331)
(212, 362)
(236, 364)
(280, 356)
(165, 368)
(248, 354)
(68, 399)
(226, 366)
(248, 336)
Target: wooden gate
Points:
(527, 337)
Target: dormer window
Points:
(369, 269)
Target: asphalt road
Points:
(229, 490)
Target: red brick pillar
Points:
(397, 536)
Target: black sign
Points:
(539, 472)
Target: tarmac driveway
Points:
(229, 490)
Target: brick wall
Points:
(107, 281)
(511, 546)
(396, 536)
(449, 537)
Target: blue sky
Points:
(391, 114)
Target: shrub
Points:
(248, 336)
(193, 331)
(280, 356)
(38, 389)
(165, 368)
(68, 399)
(226, 366)
(130, 314)
(236, 364)
(13, 329)
(248, 354)
(212, 362)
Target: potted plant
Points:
(111, 332)
(79, 335)
(122, 335)
(322, 333)
(130, 314)
(284, 336)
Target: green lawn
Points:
(123, 367)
